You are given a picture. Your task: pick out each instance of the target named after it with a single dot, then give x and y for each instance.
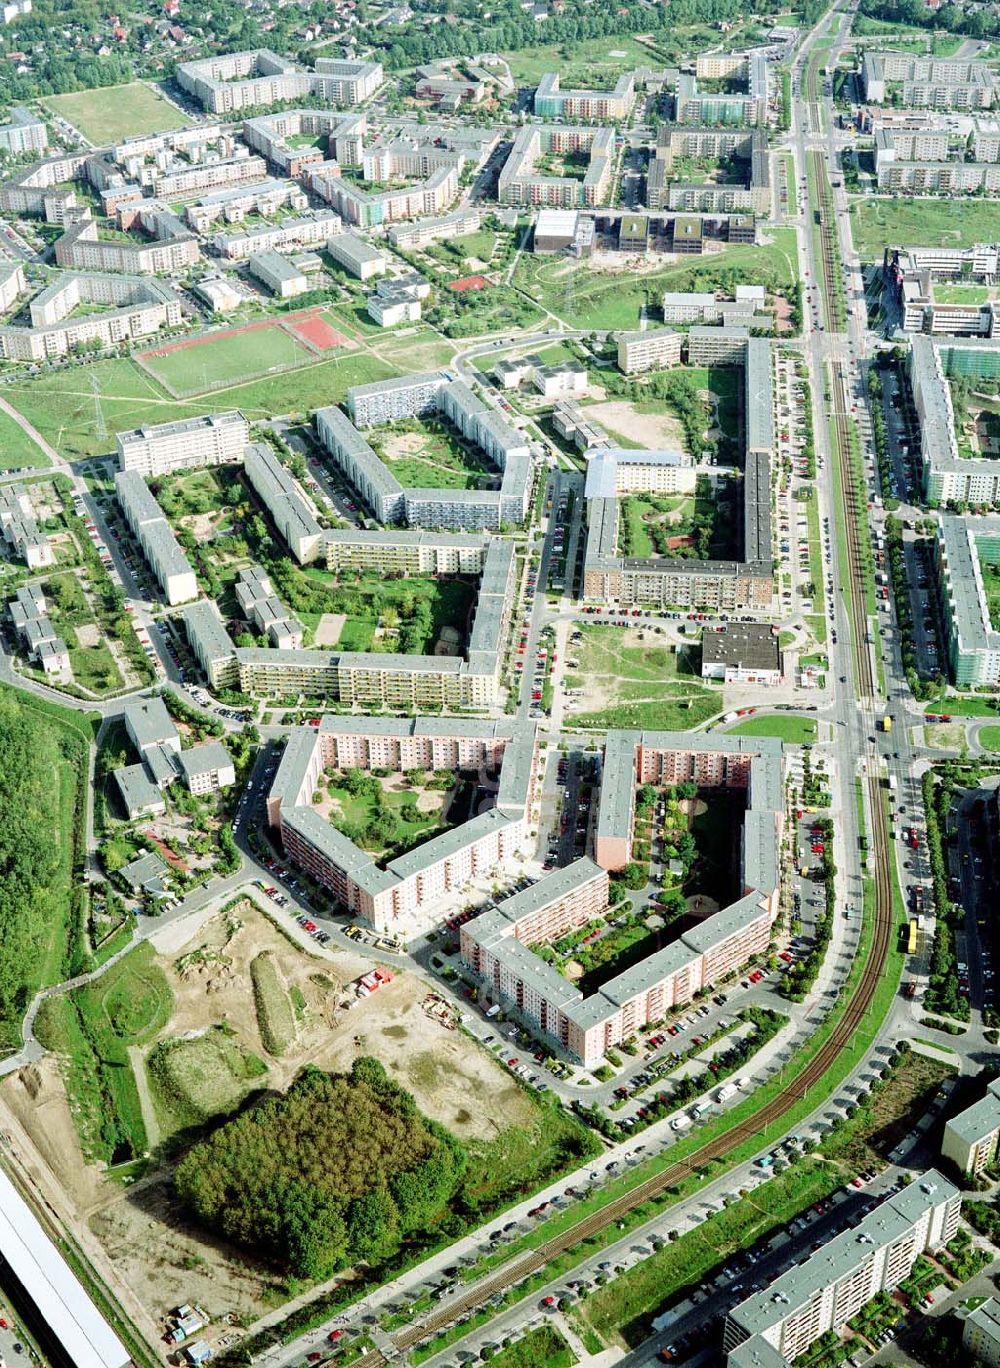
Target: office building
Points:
(144, 516)
(163, 448)
(830, 1288)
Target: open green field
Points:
(61, 405)
(585, 298)
(797, 731)
(990, 572)
(541, 1348)
(595, 63)
(112, 113)
(412, 610)
(964, 707)
(229, 357)
(880, 223)
(385, 821)
(989, 738)
(639, 686)
(17, 449)
(208, 1075)
(946, 293)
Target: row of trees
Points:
(942, 989)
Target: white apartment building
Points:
(643, 351)
(972, 1137)
(211, 440)
(153, 533)
(833, 1285)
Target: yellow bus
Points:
(911, 944)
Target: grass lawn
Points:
(989, 738)
(877, 223)
(622, 1311)
(430, 454)
(353, 813)
(641, 685)
(587, 299)
(231, 356)
(964, 707)
(61, 405)
(541, 1348)
(17, 449)
(92, 1029)
(796, 730)
(113, 113)
(365, 600)
(595, 63)
(990, 572)
(946, 293)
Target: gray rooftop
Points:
(149, 722)
(981, 1119)
(206, 631)
(204, 759)
(138, 792)
(844, 1254)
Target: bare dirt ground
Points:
(649, 430)
(329, 628)
(88, 634)
(401, 444)
(155, 1252)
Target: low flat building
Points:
(742, 653)
(278, 274)
(356, 255)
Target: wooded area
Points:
(342, 1168)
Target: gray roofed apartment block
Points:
(841, 1256)
(335, 846)
(207, 632)
(981, 1119)
(558, 884)
(207, 758)
(448, 843)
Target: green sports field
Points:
(61, 405)
(227, 358)
(112, 113)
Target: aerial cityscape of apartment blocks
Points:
(429, 393)
(772, 1328)
(407, 894)
(496, 946)
(934, 82)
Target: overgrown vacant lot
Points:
(206, 1057)
(631, 683)
(932, 223)
(113, 113)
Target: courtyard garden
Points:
(430, 453)
(388, 814)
